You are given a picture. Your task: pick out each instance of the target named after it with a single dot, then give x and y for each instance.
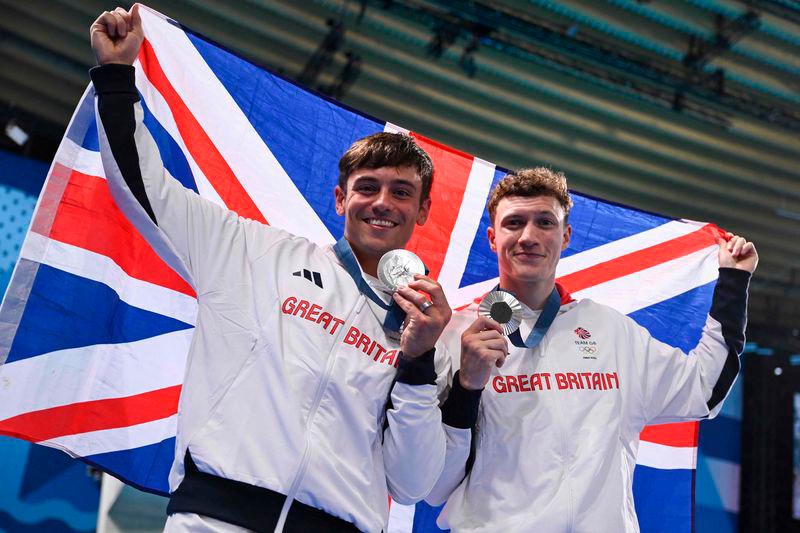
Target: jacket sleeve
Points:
(413, 441)
(194, 236)
(677, 387)
(459, 409)
(459, 417)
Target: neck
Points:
(534, 294)
(368, 264)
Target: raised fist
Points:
(117, 36)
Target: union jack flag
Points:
(95, 328)
(582, 333)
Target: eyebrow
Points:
(523, 212)
(369, 178)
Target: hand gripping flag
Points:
(95, 328)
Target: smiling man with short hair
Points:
(543, 424)
(304, 406)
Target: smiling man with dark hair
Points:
(304, 406)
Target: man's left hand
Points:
(736, 252)
(422, 328)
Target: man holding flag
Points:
(304, 400)
(543, 419)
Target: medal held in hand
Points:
(502, 307)
(397, 268)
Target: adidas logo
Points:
(313, 277)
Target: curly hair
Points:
(539, 181)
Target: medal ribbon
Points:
(394, 315)
(542, 324)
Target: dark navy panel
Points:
(721, 438)
(663, 499)
(425, 518)
(171, 154)
(306, 133)
(22, 173)
(43, 489)
(67, 311)
(48, 472)
(678, 321)
(10, 525)
(146, 467)
(715, 520)
(594, 223)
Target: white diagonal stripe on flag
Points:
(112, 440)
(666, 457)
(100, 268)
(466, 227)
(139, 367)
(162, 113)
(254, 165)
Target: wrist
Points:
(468, 384)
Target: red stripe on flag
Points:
(640, 259)
(96, 415)
(683, 434)
(198, 143)
(88, 218)
(452, 169)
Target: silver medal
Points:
(503, 308)
(397, 268)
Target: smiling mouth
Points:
(380, 222)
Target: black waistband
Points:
(245, 505)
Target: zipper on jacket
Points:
(312, 412)
(566, 467)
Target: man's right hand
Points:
(117, 36)
(483, 347)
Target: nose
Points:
(529, 235)
(383, 200)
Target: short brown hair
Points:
(539, 181)
(386, 149)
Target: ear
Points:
(490, 235)
(424, 211)
(339, 195)
(567, 237)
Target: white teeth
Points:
(379, 222)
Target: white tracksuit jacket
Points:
(289, 370)
(558, 425)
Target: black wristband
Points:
(417, 370)
(114, 79)
(460, 410)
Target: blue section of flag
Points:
(96, 315)
(594, 223)
(171, 154)
(282, 113)
(83, 130)
(145, 468)
(425, 518)
(678, 321)
(663, 499)
(482, 261)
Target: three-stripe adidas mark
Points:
(313, 277)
